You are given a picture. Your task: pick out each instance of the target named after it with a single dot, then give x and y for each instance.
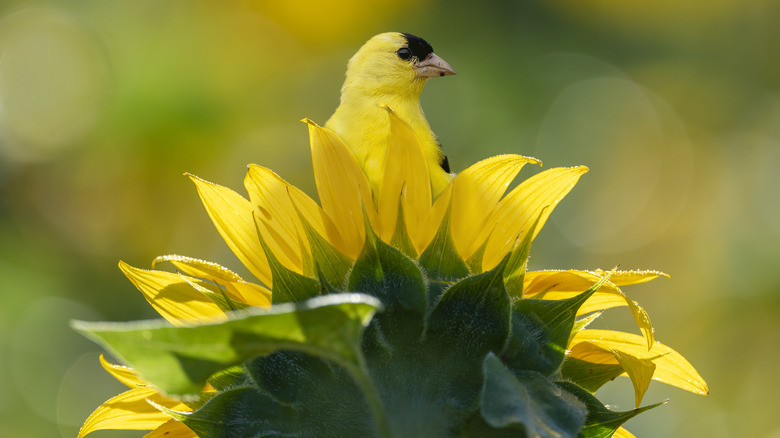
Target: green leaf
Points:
(333, 264)
(529, 399)
(179, 360)
(601, 422)
(541, 330)
(441, 260)
(588, 375)
(229, 377)
(296, 394)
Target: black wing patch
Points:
(444, 163)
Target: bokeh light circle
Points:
(53, 83)
(639, 156)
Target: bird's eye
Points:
(404, 53)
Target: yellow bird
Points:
(391, 69)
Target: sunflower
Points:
(386, 312)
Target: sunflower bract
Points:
(385, 313)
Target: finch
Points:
(390, 69)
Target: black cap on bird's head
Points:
(393, 63)
(420, 53)
(418, 47)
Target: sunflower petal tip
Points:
(193, 178)
(310, 122)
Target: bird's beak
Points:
(433, 66)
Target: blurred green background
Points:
(674, 106)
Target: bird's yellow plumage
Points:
(390, 69)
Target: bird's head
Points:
(394, 63)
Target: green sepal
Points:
(388, 274)
(229, 377)
(333, 264)
(234, 414)
(528, 399)
(589, 375)
(291, 377)
(288, 286)
(400, 239)
(475, 261)
(179, 360)
(471, 318)
(441, 260)
(541, 330)
(582, 323)
(601, 422)
(325, 287)
(518, 261)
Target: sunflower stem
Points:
(361, 376)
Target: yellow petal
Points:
(172, 429)
(199, 268)
(130, 411)
(236, 288)
(342, 187)
(277, 201)
(639, 370)
(405, 169)
(537, 281)
(622, 433)
(623, 278)
(475, 195)
(598, 301)
(316, 218)
(251, 293)
(278, 219)
(432, 220)
(551, 280)
(126, 375)
(232, 216)
(671, 366)
(523, 205)
(172, 297)
(558, 285)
